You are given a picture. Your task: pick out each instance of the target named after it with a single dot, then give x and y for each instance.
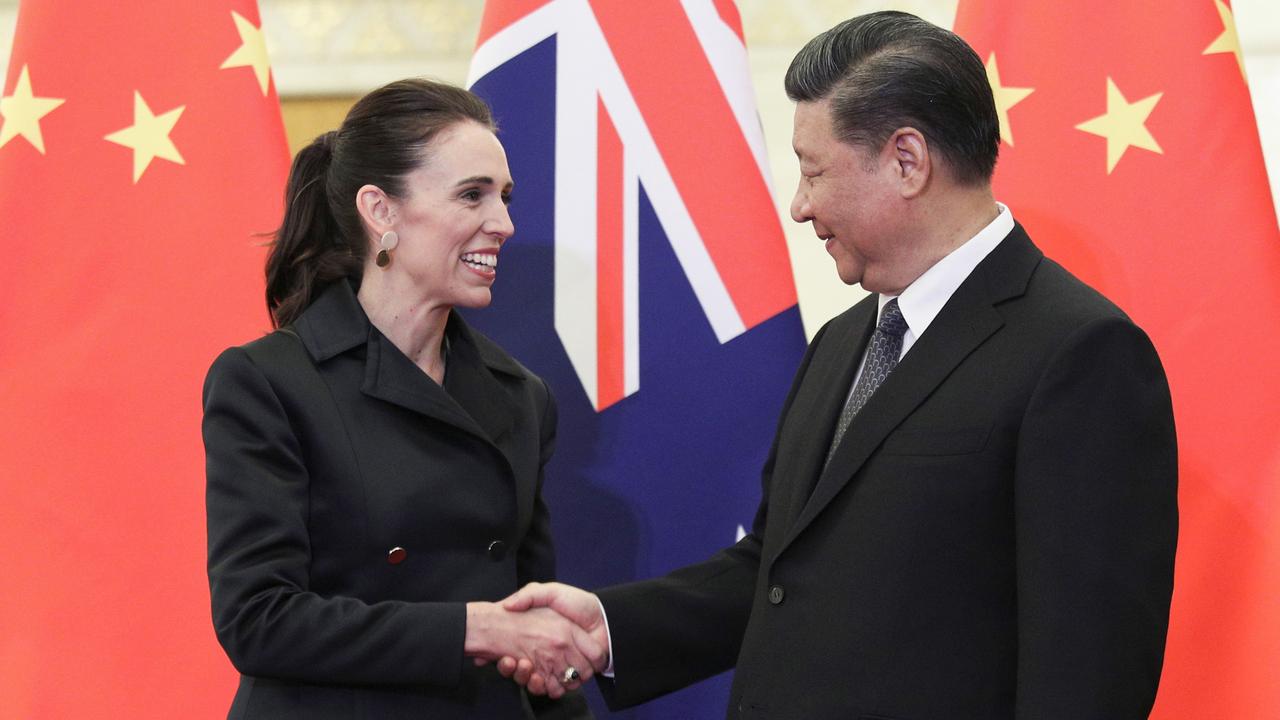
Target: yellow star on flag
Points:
(252, 51)
(149, 136)
(22, 112)
(1228, 41)
(1006, 98)
(1123, 125)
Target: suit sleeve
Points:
(1096, 526)
(266, 618)
(673, 631)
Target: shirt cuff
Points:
(608, 671)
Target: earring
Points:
(387, 242)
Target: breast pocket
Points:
(936, 441)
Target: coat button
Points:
(497, 550)
(396, 555)
(776, 594)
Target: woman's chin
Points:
(476, 299)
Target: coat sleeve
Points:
(265, 616)
(1095, 526)
(673, 631)
(537, 559)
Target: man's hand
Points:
(540, 637)
(578, 606)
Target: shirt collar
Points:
(923, 299)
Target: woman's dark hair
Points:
(383, 138)
(887, 70)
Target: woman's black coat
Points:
(355, 506)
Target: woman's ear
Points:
(376, 208)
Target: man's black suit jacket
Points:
(994, 537)
(326, 449)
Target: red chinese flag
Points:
(141, 150)
(1131, 155)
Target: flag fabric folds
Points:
(141, 151)
(1130, 152)
(648, 280)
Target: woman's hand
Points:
(579, 606)
(549, 642)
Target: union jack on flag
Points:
(648, 281)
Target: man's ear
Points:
(376, 209)
(910, 159)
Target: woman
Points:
(374, 466)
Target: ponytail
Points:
(308, 252)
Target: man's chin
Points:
(849, 276)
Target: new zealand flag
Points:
(648, 281)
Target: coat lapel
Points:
(474, 398)
(475, 402)
(489, 385)
(965, 322)
(470, 381)
(392, 377)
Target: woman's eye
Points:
(506, 198)
(471, 195)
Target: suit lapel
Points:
(822, 397)
(965, 322)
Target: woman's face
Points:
(453, 218)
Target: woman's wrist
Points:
(477, 640)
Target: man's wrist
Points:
(604, 618)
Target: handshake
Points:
(548, 637)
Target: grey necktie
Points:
(882, 357)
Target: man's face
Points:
(851, 197)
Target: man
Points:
(969, 510)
